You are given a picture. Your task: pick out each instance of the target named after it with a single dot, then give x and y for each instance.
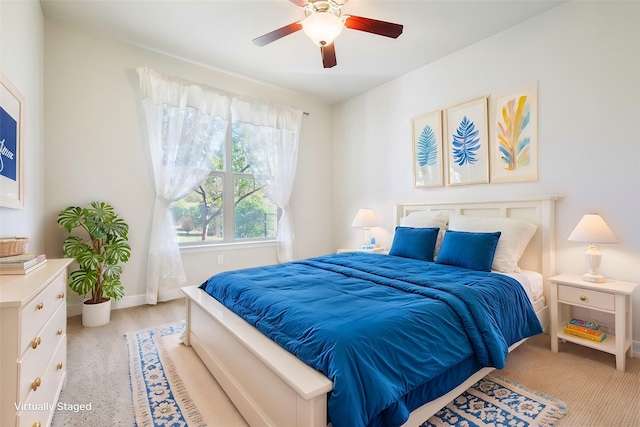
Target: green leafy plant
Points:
(99, 257)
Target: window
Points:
(202, 217)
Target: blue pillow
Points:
(465, 249)
(418, 243)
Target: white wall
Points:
(96, 149)
(21, 58)
(585, 59)
(584, 56)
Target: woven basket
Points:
(13, 246)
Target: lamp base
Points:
(366, 233)
(593, 278)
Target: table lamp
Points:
(592, 229)
(365, 218)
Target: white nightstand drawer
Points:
(47, 393)
(585, 297)
(35, 360)
(37, 312)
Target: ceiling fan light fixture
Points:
(322, 27)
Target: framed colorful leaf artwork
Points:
(11, 145)
(514, 151)
(468, 143)
(427, 150)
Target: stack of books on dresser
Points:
(587, 330)
(21, 264)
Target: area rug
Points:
(172, 387)
(495, 401)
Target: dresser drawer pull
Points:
(61, 295)
(59, 365)
(40, 306)
(37, 424)
(59, 332)
(35, 342)
(36, 383)
(583, 298)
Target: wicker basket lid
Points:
(11, 246)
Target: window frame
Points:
(228, 177)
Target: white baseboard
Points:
(124, 302)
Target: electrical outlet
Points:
(220, 259)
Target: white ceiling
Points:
(218, 34)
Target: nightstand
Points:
(376, 250)
(611, 296)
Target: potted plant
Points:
(99, 257)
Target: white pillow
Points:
(514, 239)
(425, 219)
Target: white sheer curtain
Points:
(269, 136)
(186, 123)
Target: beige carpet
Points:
(586, 380)
(596, 394)
(171, 386)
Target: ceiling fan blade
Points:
(301, 3)
(382, 28)
(277, 34)
(328, 53)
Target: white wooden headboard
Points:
(540, 253)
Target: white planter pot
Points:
(96, 314)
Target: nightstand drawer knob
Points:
(36, 383)
(40, 306)
(59, 366)
(61, 295)
(59, 332)
(37, 424)
(583, 298)
(35, 342)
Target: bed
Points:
(271, 387)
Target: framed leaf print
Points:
(427, 150)
(514, 151)
(11, 145)
(468, 143)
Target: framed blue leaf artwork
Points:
(427, 150)
(514, 149)
(468, 143)
(11, 151)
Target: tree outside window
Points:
(201, 217)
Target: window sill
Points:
(226, 246)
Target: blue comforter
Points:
(380, 327)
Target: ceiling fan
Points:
(323, 23)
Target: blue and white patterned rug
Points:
(497, 402)
(161, 398)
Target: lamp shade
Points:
(365, 218)
(322, 27)
(592, 229)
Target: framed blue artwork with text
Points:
(11, 145)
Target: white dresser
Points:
(33, 324)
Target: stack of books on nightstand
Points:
(587, 330)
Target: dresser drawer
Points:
(587, 298)
(35, 360)
(38, 311)
(46, 395)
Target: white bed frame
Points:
(271, 387)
